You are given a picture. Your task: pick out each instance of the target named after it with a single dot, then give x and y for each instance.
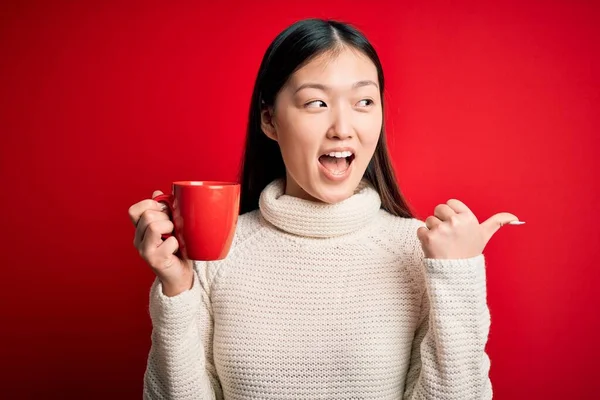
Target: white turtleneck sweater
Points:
(323, 301)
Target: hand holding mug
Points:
(152, 223)
(204, 216)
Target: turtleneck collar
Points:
(314, 219)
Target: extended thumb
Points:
(495, 222)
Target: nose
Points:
(341, 124)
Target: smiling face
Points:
(327, 120)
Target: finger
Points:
(153, 235)
(136, 210)
(422, 233)
(495, 222)
(156, 193)
(169, 246)
(443, 212)
(458, 206)
(164, 256)
(146, 219)
(431, 222)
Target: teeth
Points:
(340, 154)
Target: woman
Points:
(332, 289)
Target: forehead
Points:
(336, 69)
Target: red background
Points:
(494, 104)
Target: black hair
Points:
(290, 50)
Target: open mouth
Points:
(337, 162)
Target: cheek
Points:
(298, 135)
(370, 129)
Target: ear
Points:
(266, 123)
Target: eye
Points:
(368, 102)
(315, 104)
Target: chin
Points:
(332, 193)
(321, 187)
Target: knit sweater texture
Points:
(323, 301)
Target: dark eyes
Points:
(320, 103)
(315, 104)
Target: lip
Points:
(338, 150)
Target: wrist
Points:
(172, 288)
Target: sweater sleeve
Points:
(180, 364)
(448, 359)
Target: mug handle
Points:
(168, 199)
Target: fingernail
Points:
(162, 206)
(516, 222)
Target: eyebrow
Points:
(326, 88)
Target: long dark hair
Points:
(295, 46)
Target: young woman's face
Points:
(327, 120)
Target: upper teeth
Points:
(340, 154)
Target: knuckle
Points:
(148, 217)
(147, 203)
(144, 219)
(143, 254)
(154, 227)
(134, 214)
(160, 227)
(445, 230)
(137, 210)
(168, 262)
(151, 216)
(429, 239)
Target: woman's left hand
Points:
(454, 231)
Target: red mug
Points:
(205, 215)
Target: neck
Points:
(309, 218)
(294, 190)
